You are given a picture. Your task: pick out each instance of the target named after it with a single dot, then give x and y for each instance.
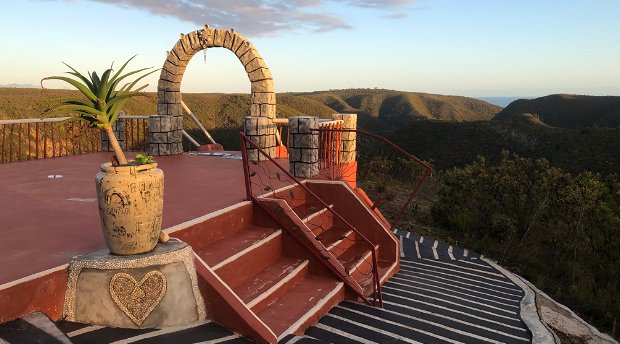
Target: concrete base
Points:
(151, 290)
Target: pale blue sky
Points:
(462, 47)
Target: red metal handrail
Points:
(331, 166)
(324, 255)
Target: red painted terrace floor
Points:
(46, 221)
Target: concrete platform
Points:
(46, 221)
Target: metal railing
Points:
(31, 139)
(390, 176)
(136, 133)
(300, 212)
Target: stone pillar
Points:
(119, 131)
(262, 131)
(303, 146)
(348, 146)
(169, 138)
(165, 135)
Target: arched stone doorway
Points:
(165, 134)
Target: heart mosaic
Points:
(138, 299)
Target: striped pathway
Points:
(442, 294)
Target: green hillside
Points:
(449, 144)
(386, 110)
(568, 111)
(380, 111)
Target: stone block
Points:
(239, 40)
(250, 126)
(160, 138)
(218, 37)
(305, 141)
(244, 48)
(263, 98)
(346, 157)
(153, 148)
(151, 290)
(162, 109)
(194, 40)
(268, 110)
(303, 124)
(164, 148)
(260, 74)
(294, 155)
(172, 97)
(155, 124)
(302, 170)
(165, 85)
(229, 39)
(310, 155)
(249, 56)
(170, 76)
(187, 45)
(266, 85)
(174, 60)
(255, 64)
(175, 110)
(177, 136)
(180, 52)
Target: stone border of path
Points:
(530, 311)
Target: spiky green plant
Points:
(103, 102)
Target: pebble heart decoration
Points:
(138, 299)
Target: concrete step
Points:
(337, 240)
(272, 282)
(303, 305)
(316, 216)
(240, 256)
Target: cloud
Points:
(259, 17)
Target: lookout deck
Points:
(46, 220)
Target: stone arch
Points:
(165, 133)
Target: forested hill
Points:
(378, 110)
(387, 110)
(568, 111)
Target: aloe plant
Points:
(103, 102)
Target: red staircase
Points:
(263, 273)
(275, 265)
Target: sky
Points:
(491, 48)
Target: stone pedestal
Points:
(303, 146)
(151, 290)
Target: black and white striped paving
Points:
(442, 294)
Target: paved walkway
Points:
(442, 294)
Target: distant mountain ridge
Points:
(387, 110)
(568, 111)
(378, 110)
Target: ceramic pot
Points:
(131, 202)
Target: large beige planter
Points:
(131, 201)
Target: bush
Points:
(561, 231)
